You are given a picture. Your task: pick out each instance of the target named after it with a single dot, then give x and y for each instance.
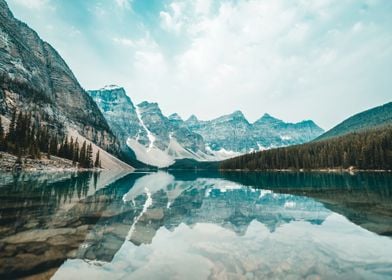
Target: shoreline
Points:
(54, 164)
(323, 170)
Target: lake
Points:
(196, 225)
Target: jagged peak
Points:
(192, 118)
(175, 117)
(111, 87)
(111, 93)
(150, 107)
(267, 118)
(309, 123)
(237, 114)
(148, 104)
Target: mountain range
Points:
(35, 79)
(159, 140)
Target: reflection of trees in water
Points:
(363, 198)
(75, 185)
(374, 182)
(27, 198)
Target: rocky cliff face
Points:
(234, 133)
(154, 138)
(231, 132)
(159, 140)
(34, 77)
(120, 113)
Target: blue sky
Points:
(323, 60)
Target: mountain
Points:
(160, 141)
(34, 78)
(234, 133)
(375, 117)
(364, 150)
(153, 138)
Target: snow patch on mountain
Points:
(153, 156)
(221, 154)
(150, 136)
(111, 87)
(164, 158)
(159, 140)
(285, 137)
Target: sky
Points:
(308, 59)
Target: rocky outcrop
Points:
(234, 133)
(34, 78)
(160, 141)
(153, 138)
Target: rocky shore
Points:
(8, 162)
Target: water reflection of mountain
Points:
(363, 198)
(165, 201)
(46, 219)
(216, 201)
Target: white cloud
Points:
(124, 41)
(124, 4)
(33, 4)
(260, 56)
(294, 59)
(173, 19)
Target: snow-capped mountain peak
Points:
(159, 140)
(175, 117)
(111, 87)
(268, 119)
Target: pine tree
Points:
(65, 148)
(71, 149)
(75, 157)
(97, 163)
(82, 157)
(11, 130)
(89, 156)
(53, 145)
(48, 153)
(2, 146)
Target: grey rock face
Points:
(33, 76)
(120, 113)
(271, 132)
(234, 133)
(144, 122)
(231, 132)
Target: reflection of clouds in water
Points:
(154, 182)
(289, 204)
(336, 249)
(236, 231)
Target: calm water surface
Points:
(196, 226)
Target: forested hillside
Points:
(367, 150)
(375, 117)
(28, 137)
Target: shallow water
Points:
(188, 225)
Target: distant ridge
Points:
(372, 118)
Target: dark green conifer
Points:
(97, 163)
(82, 157)
(89, 156)
(2, 137)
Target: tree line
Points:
(27, 136)
(367, 150)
